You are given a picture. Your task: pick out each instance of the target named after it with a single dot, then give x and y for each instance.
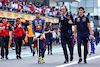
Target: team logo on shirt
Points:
(35, 21)
(62, 18)
(40, 21)
(84, 19)
(7, 25)
(68, 17)
(78, 19)
(38, 27)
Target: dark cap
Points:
(81, 8)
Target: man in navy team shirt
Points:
(65, 23)
(82, 28)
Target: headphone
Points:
(66, 8)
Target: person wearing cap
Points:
(65, 28)
(18, 37)
(5, 37)
(82, 28)
(38, 26)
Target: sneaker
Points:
(17, 57)
(71, 58)
(2, 57)
(80, 60)
(6, 57)
(85, 62)
(39, 59)
(48, 53)
(33, 53)
(51, 54)
(20, 57)
(65, 61)
(43, 60)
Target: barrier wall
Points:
(12, 15)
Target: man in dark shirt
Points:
(83, 28)
(65, 23)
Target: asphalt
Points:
(55, 60)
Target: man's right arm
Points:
(75, 28)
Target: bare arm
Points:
(75, 30)
(90, 29)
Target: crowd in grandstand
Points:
(23, 6)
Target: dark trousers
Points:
(41, 48)
(66, 38)
(85, 41)
(97, 40)
(30, 40)
(4, 45)
(18, 42)
(49, 43)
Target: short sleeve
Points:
(75, 21)
(87, 20)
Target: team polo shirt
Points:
(82, 27)
(38, 25)
(7, 28)
(64, 25)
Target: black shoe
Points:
(6, 57)
(80, 60)
(85, 62)
(51, 54)
(2, 57)
(48, 53)
(17, 57)
(20, 57)
(33, 53)
(71, 58)
(65, 61)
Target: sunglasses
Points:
(37, 13)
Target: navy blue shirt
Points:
(65, 26)
(82, 27)
(38, 25)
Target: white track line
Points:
(76, 62)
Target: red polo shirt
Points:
(7, 28)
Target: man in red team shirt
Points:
(5, 28)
